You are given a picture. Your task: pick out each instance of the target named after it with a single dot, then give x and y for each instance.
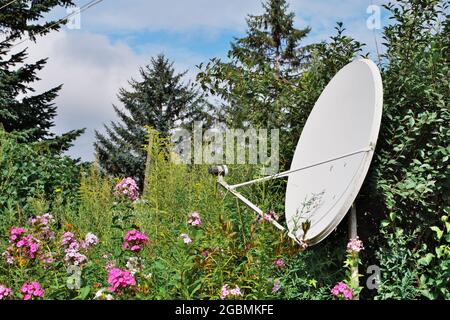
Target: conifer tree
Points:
(260, 82)
(21, 109)
(272, 40)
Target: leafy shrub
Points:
(408, 185)
(31, 171)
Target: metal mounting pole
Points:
(247, 202)
(255, 208)
(353, 233)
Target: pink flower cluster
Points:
(15, 234)
(8, 257)
(120, 279)
(194, 219)
(276, 286)
(90, 240)
(73, 256)
(128, 188)
(4, 292)
(30, 244)
(279, 263)
(134, 240)
(355, 245)
(269, 216)
(342, 290)
(41, 226)
(186, 238)
(67, 238)
(226, 291)
(32, 290)
(26, 244)
(72, 247)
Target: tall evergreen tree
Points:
(272, 40)
(259, 83)
(20, 108)
(160, 100)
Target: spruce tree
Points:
(272, 40)
(21, 109)
(160, 100)
(260, 82)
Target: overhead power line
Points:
(82, 9)
(8, 4)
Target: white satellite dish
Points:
(332, 156)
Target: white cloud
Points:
(92, 70)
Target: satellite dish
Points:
(332, 156)
(345, 121)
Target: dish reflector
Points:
(345, 120)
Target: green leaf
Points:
(84, 292)
(392, 216)
(438, 231)
(427, 294)
(426, 260)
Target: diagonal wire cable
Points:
(82, 9)
(8, 4)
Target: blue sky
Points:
(118, 36)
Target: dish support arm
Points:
(221, 172)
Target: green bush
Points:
(30, 172)
(408, 186)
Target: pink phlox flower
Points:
(186, 238)
(30, 290)
(342, 290)
(15, 234)
(269, 216)
(355, 245)
(4, 292)
(120, 279)
(41, 225)
(67, 238)
(127, 187)
(194, 219)
(279, 263)
(276, 286)
(134, 240)
(236, 291)
(28, 245)
(72, 248)
(90, 240)
(225, 291)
